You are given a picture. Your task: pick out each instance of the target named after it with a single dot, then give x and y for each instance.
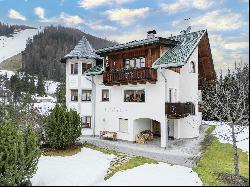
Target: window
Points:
(85, 67)
(134, 96)
(171, 95)
(105, 95)
(127, 63)
(86, 95)
(123, 125)
(86, 122)
(192, 67)
(135, 62)
(74, 69)
(74, 95)
(192, 109)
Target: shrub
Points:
(19, 154)
(62, 128)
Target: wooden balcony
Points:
(132, 76)
(179, 110)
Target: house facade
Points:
(152, 84)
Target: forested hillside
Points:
(43, 53)
(8, 30)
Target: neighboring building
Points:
(152, 84)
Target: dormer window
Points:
(192, 67)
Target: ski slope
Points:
(10, 46)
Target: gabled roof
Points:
(179, 55)
(82, 50)
(96, 70)
(133, 44)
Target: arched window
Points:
(192, 67)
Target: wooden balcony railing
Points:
(179, 110)
(132, 76)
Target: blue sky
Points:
(227, 21)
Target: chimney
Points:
(151, 34)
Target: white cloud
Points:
(13, 14)
(40, 12)
(181, 5)
(126, 16)
(229, 43)
(219, 20)
(71, 20)
(96, 26)
(138, 34)
(227, 50)
(88, 4)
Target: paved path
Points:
(182, 152)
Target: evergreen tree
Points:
(19, 154)
(61, 93)
(25, 83)
(62, 128)
(40, 86)
(32, 86)
(228, 102)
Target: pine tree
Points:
(40, 86)
(62, 128)
(61, 93)
(32, 86)
(25, 83)
(19, 154)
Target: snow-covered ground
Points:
(7, 72)
(89, 167)
(161, 174)
(45, 104)
(222, 129)
(85, 168)
(51, 86)
(10, 46)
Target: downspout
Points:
(166, 123)
(93, 102)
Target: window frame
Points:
(84, 96)
(85, 67)
(74, 68)
(85, 123)
(119, 130)
(71, 96)
(170, 95)
(134, 92)
(192, 67)
(102, 96)
(134, 63)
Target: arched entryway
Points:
(147, 124)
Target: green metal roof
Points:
(179, 55)
(96, 70)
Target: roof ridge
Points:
(180, 54)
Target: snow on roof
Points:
(179, 55)
(82, 50)
(136, 43)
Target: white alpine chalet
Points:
(152, 84)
